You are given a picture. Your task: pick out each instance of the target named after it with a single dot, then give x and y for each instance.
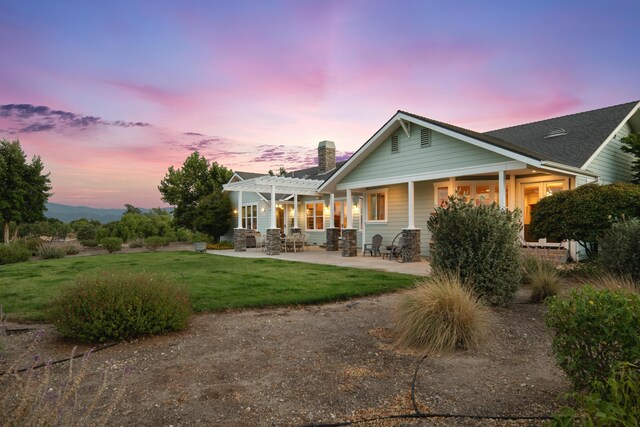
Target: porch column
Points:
(411, 224)
(295, 210)
(240, 234)
(239, 209)
(512, 192)
(502, 189)
(349, 234)
(272, 220)
(349, 203)
(332, 233)
(332, 202)
(273, 233)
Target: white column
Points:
(295, 210)
(363, 219)
(332, 208)
(349, 203)
(512, 192)
(239, 209)
(410, 198)
(273, 207)
(502, 189)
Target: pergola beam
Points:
(282, 185)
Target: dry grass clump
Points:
(533, 266)
(544, 284)
(440, 315)
(613, 282)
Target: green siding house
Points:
(413, 163)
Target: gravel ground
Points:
(317, 364)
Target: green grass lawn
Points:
(215, 282)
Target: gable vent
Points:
(556, 132)
(425, 138)
(394, 144)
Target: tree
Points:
(281, 172)
(24, 189)
(585, 213)
(131, 209)
(196, 192)
(631, 144)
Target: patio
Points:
(317, 255)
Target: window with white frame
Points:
(315, 215)
(377, 206)
(250, 217)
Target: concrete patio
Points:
(316, 255)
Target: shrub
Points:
(594, 330)
(531, 265)
(481, 245)
(545, 283)
(119, 306)
(87, 232)
(112, 244)
(13, 252)
(220, 245)
(136, 243)
(184, 235)
(89, 243)
(440, 315)
(614, 282)
(48, 250)
(620, 248)
(154, 242)
(166, 240)
(32, 243)
(71, 249)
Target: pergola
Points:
(273, 185)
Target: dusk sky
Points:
(111, 93)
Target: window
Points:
(340, 214)
(377, 206)
(443, 196)
(394, 144)
(483, 194)
(315, 216)
(464, 191)
(250, 217)
(425, 138)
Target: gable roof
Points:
(585, 134)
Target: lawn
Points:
(215, 282)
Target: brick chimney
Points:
(326, 157)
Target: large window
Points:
(340, 214)
(250, 217)
(377, 206)
(315, 216)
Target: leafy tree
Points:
(585, 213)
(23, 187)
(631, 144)
(281, 172)
(131, 209)
(196, 191)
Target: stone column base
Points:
(349, 242)
(273, 241)
(240, 239)
(412, 242)
(333, 239)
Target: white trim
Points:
(406, 127)
(610, 137)
(473, 184)
(235, 175)
(384, 191)
(242, 217)
(472, 170)
(315, 215)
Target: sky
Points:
(110, 94)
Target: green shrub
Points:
(220, 245)
(136, 243)
(87, 232)
(184, 235)
(112, 244)
(71, 249)
(593, 331)
(480, 243)
(49, 250)
(119, 306)
(613, 403)
(440, 315)
(89, 243)
(619, 249)
(166, 240)
(32, 243)
(13, 252)
(545, 283)
(154, 242)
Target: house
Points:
(413, 163)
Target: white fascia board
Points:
(473, 170)
(559, 167)
(610, 137)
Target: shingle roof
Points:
(585, 132)
(312, 173)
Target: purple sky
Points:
(110, 94)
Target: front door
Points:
(531, 194)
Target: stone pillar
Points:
(333, 239)
(240, 239)
(411, 237)
(349, 242)
(273, 241)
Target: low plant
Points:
(614, 282)
(220, 245)
(32, 243)
(441, 314)
(119, 306)
(11, 253)
(154, 242)
(71, 249)
(112, 244)
(531, 265)
(48, 250)
(136, 243)
(593, 331)
(90, 243)
(545, 283)
(620, 248)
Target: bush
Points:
(87, 232)
(89, 243)
(50, 251)
(184, 235)
(112, 244)
(136, 243)
(481, 245)
(32, 243)
(593, 331)
(620, 248)
(531, 266)
(71, 249)
(220, 245)
(119, 306)
(545, 283)
(154, 242)
(166, 240)
(13, 252)
(440, 315)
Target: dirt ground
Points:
(315, 365)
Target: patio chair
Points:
(374, 247)
(291, 241)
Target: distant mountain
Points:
(67, 213)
